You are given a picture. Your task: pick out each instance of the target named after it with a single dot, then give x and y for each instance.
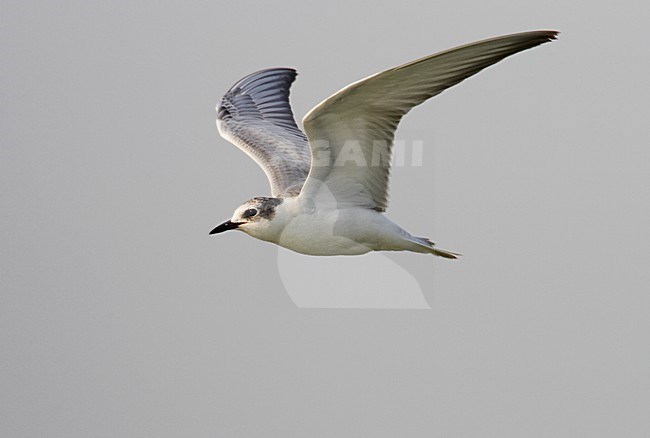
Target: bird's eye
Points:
(249, 213)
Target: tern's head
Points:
(252, 217)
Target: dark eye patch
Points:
(249, 213)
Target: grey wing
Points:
(255, 115)
(360, 120)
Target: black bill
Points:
(228, 225)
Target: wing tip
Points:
(542, 36)
(250, 79)
(550, 35)
(256, 86)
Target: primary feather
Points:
(256, 116)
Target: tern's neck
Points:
(284, 212)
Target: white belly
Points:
(326, 233)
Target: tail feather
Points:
(428, 246)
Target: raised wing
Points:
(255, 115)
(351, 132)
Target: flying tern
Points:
(329, 188)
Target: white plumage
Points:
(321, 204)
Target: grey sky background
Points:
(120, 316)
